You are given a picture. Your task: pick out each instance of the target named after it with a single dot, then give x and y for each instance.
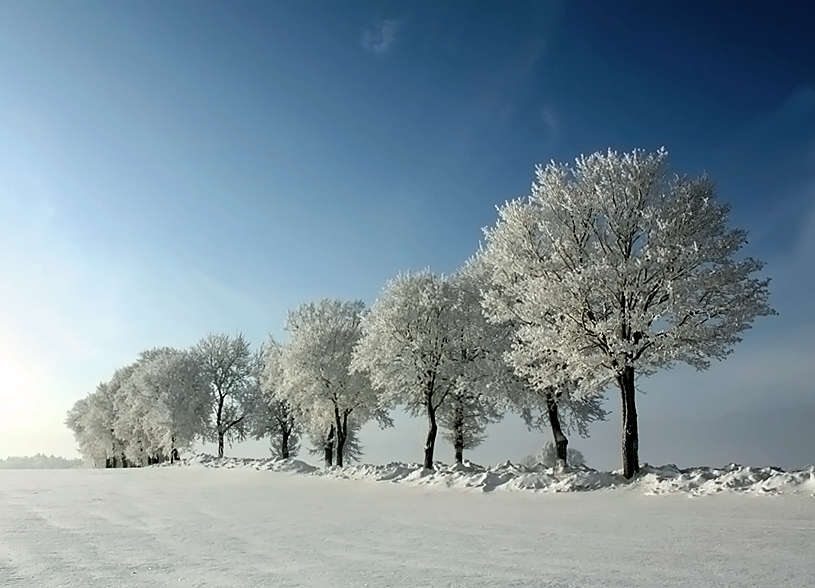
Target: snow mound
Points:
(733, 477)
(668, 479)
(467, 475)
(275, 465)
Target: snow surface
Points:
(265, 524)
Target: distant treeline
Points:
(39, 462)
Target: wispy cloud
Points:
(381, 37)
(550, 119)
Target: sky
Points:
(174, 169)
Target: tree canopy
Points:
(621, 268)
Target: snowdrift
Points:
(669, 479)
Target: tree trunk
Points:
(430, 444)
(458, 433)
(284, 441)
(561, 442)
(631, 458)
(219, 424)
(328, 448)
(342, 434)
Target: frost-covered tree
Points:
(275, 419)
(322, 444)
(146, 412)
(230, 369)
(92, 420)
(131, 405)
(553, 405)
(275, 416)
(316, 378)
(475, 355)
(75, 420)
(548, 457)
(622, 269)
(425, 345)
(182, 414)
(165, 404)
(553, 401)
(465, 418)
(561, 410)
(405, 347)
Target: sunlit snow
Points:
(257, 523)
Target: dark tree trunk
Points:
(458, 433)
(174, 455)
(328, 448)
(110, 462)
(561, 442)
(459, 448)
(631, 458)
(430, 444)
(284, 441)
(219, 425)
(342, 434)
(340, 447)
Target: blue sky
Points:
(171, 169)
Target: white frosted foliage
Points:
(164, 405)
(91, 420)
(614, 263)
(315, 379)
(230, 370)
(274, 415)
(619, 268)
(427, 345)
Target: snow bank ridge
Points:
(275, 465)
(668, 479)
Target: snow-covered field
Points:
(248, 525)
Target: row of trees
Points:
(610, 269)
(425, 346)
(162, 403)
